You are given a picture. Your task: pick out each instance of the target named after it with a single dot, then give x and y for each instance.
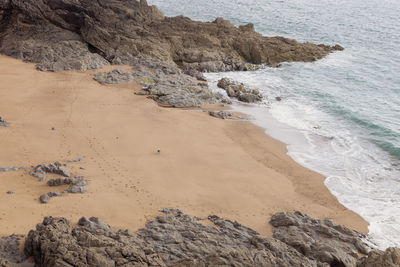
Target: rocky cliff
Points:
(85, 34)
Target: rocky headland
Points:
(167, 55)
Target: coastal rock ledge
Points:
(85, 35)
(177, 239)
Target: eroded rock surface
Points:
(388, 258)
(174, 239)
(221, 114)
(240, 91)
(9, 251)
(320, 240)
(41, 170)
(85, 34)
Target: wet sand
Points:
(206, 165)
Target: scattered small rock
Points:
(45, 198)
(11, 169)
(77, 184)
(75, 160)
(3, 122)
(220, 114)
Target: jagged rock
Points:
(320, 240)
(388, 258)
(41, 170)
(220, 114)
(77, 184)
(9, 251)
(239, 91)
(45, 198)
(116, 76)
(3, 122)
(174, 239)
(85, 34)
(82, 34)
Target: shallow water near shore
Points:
(340, 116)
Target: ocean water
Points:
(339, 116)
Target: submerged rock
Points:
(240, 91)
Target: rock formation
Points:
(177, 239)
(221, 114)
(84, 34)
(321, 240)
(240, 91)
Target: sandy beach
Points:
(206, 165)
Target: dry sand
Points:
(206, 165)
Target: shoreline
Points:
(206, 165)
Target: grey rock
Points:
(11, 169)
(174, 239)
(388, 258)
(77, 184)
(45, 198)
(75, 160)
(84, 34)
(54, 168)
(9, 251)
(221, 114)
(239, 91)
(320, 240)
(278, 98)
(116, 76)
(3, 122)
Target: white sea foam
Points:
(340, 116)
(358, 173)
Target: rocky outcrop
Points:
(240, 91)
(174, 239)
(177, 239)
(41, 170)
(320, 240)
(3, 122)
(388, 258)
(85, 34)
